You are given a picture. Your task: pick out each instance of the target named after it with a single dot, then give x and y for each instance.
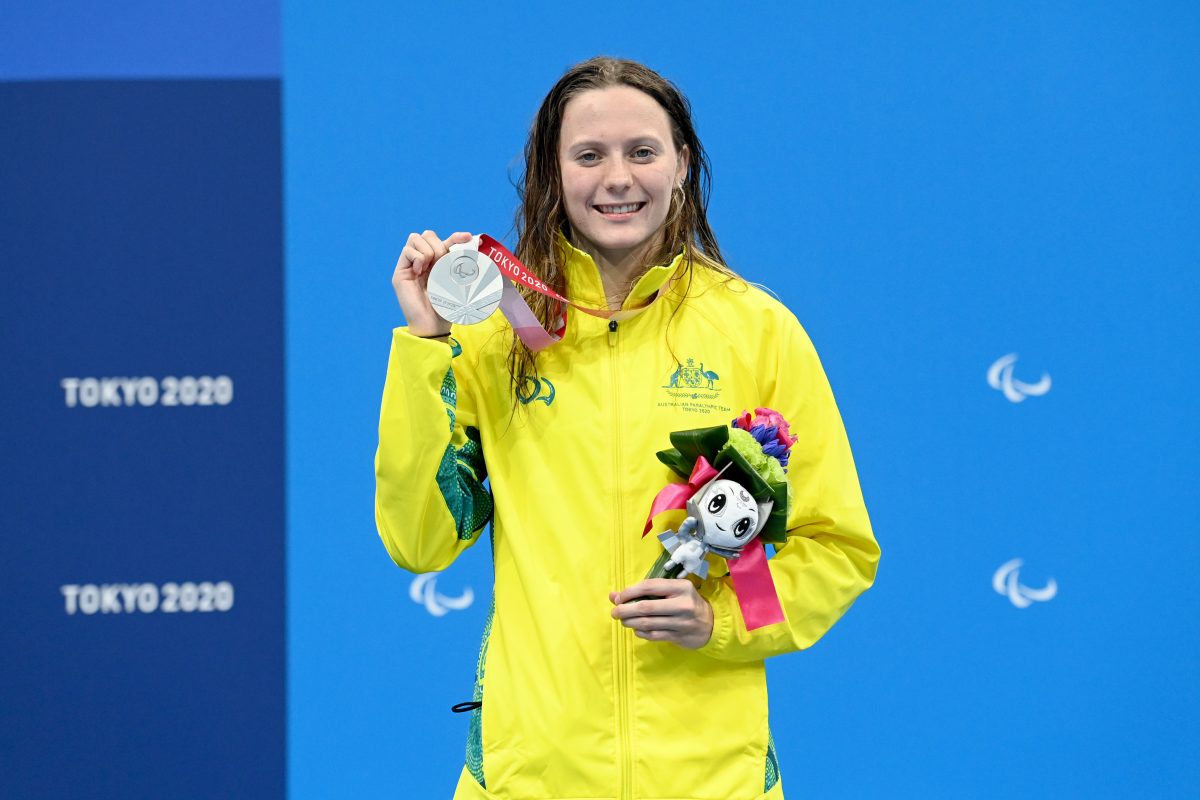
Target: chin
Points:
(624, 243)
(621, 240)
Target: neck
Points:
(619, 269)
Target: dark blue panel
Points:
(140, 237)
(139, 38)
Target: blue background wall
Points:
(929, 188)
(141, 534)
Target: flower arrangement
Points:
(752, 451)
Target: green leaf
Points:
(775, 531)
(675, 460)
(690, 445)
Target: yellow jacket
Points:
(574, 705)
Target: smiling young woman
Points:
(591, 681)
(620, 169)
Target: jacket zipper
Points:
(623, 668)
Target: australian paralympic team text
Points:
(170, 391)
(147, 598)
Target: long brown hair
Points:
(542, 215)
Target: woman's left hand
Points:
(682, 616)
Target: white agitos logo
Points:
(1007, 581)
(424, 592)
(1000, 376)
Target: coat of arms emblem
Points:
(690, 376)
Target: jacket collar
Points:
(585, 287)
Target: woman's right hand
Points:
(411, 279)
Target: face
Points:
(727, 513)
(619, 166)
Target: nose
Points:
(618, 175)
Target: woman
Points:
(587, 688)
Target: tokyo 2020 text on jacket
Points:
(574, 705)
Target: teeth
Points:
(622, 209)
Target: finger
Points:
(423, 253)
(408, 267)
(657, 636)
(406, 253)
(653, 623)
(459, 237)
(646, 608)
(661, 587)
(415, 244)
(436, 244)
(637, 590)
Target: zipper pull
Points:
(612, 333)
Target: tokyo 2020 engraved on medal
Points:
(465, 287)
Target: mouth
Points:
(618, 210)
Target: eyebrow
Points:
(646, 138)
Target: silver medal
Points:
(465, 287)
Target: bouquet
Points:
(737, 497)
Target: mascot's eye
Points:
(716, 503)
(743, 527)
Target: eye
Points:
(643, 153)
(743, 527)
(587, 157)
(717, 503)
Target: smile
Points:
(617, 209)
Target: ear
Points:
(685, 159)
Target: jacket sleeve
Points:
(830, 555)
(430, 502)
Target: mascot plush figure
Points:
(723, 517)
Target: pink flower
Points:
(770, 430)
(773, 419)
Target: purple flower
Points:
(770, 430)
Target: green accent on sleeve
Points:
(475, 730)
(772, 776)
(461, 474)
(450, 395)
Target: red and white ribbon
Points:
(524, 322)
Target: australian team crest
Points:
(690, 376)
(693, 387)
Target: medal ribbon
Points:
(524, 322)
(752, 581)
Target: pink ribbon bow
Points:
(675, 495)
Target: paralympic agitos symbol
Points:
(1007, 582)
(1000, 376)
(423, 591)
(532, 388)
